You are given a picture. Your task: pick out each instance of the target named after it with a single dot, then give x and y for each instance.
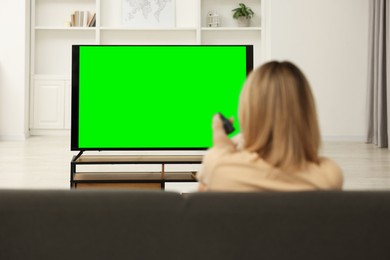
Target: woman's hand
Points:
(220, 139)
(221, 145)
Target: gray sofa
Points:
(162, 225)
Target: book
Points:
(93, 23)
(91, 20)
(73, 20)
(81, 18)
(85, 18)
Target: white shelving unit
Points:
(52, 38)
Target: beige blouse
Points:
(224, 170)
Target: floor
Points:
(44, 163)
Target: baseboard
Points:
(46, 132)
(15, 137)
(360, 139)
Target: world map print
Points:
(148, 13)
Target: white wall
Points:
(328, 39)
(13, 69)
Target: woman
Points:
(278, 147)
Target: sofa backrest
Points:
(88, 224)
(163, 225)
(303, 225)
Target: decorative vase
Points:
(213, 19)
(243, 21)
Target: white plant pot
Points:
(243, 21)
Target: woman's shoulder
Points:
(332, 172)
(223, 154)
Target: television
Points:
(154, 97)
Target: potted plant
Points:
(243, 15)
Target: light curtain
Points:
(378, 74)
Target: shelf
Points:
(125, 159)
(180, 176)
(231, 29)
(135, 176)
(63, 28)
(145, 29)
(116, 176)
(52, 38)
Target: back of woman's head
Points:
(278, 116)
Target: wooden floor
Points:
(44, 163)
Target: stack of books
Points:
(83, 19)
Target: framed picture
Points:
(148, 13)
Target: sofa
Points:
(119, 224)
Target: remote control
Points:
(227, 125)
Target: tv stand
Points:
(78, 155)
(134, 180)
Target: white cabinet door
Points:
(49, 97)
(68, 101)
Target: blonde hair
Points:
(278, 117)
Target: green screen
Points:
(156, 97)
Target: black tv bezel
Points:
(75, 95)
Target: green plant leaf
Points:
(243, 10)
